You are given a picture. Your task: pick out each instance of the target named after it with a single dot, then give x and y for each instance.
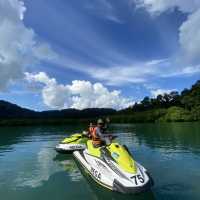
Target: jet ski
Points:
(73, 142)
(113, 167)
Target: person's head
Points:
(100, 123)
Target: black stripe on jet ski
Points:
(59, 150)
(117, 186)
(82, 154)
(140, 171)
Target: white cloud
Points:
(156, 92)
(119, 75)
(43, 51)
(189, 37)
(18, 46)
(159, 6)
(189, 31)
(134, 73)
(191, 70)
(137, 73)
(80, 94)
(12, 10)
(103, 9)
(184, 71)
(54, 95)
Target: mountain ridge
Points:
(10, 110)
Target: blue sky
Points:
(80, 54)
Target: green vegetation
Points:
(35, 122)
(176, 114)
(11, 114)
(138, 117)
(173, 107)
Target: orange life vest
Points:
(95, 138)
(91, 129)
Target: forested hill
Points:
(12, 111)
(165, 108)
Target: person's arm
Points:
(107, 122)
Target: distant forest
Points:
(172, 107)
(11, 114)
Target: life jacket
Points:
(91, 129)
(95, 138)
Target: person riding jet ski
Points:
(98, 134)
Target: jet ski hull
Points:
(109, 175)
(69, 148)
(72, 143)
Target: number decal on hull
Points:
(76, 147)
(141, 179)
(138, 178)
(96, 173)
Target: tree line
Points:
(175, 106)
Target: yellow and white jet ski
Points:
(73, 142)
(113, 167)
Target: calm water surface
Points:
(30, 169)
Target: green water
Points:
(30, 169)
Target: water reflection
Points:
(168, 136)
(33, 173)
(68, 164)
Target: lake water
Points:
(30, 169)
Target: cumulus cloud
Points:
(80, 94)
(190, 37)
(157, 92)
(54, 95)
(189, 31)
(18, 46)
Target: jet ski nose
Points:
(117, 186)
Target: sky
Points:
(96, 53)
